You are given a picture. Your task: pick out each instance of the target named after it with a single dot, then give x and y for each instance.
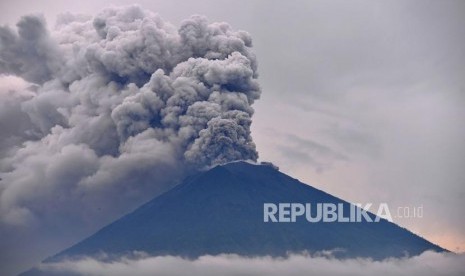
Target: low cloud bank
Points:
(428, 263)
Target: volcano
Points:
(222, 211)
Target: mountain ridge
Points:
(220, 211)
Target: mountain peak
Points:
(221, 211)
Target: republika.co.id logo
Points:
(331, 212)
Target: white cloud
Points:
(429, 263)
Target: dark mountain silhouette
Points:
(221, 211)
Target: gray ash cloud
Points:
(118, 105)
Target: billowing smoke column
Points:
(116, 107)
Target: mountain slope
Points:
(221, 211)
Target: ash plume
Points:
(114, 108)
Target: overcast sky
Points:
(363, 99)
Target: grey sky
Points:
(363, 99)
